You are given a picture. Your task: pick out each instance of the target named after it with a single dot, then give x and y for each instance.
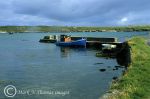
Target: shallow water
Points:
(33, 66)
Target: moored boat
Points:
(49, 39)
(76, 43)
(11, 33)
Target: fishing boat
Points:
(66, 41)
(80, 43)
(49, 39)
(11, 33)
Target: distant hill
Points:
(20, 29)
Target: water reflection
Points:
(66, 51)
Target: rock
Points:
(115, 68)
(102, 70)
(148, 43)
(98, 63)
(115, 78)
(119, 66)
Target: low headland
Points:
(45, 29)
(135, 82)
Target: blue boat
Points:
(76, 43)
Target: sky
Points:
(75, 12)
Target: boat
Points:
(11, 33)
(76, 43)
(108, 46)
(49, 39)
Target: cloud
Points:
(75, 12)
(123, 21)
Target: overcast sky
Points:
(75, 12)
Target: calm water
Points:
(32, 66)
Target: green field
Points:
(135, 84)
(20, 29)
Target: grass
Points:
(135, 84)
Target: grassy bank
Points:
(135, 84)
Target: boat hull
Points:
(77, 43)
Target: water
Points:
(33, 67)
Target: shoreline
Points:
(135, 83)
(66, 29)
